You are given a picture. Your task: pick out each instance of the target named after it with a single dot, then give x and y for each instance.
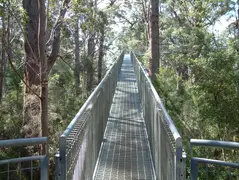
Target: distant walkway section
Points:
(125, 152)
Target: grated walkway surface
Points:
(125, 152)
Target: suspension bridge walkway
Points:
(122, 132)
(125, 151)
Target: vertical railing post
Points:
(44, 167)
(154, 127)
(179, 159)
(89, 154)
(109, 85)
(194, 171)
(184, 156)
(104, 109)
(95, 131)
(63, 157)
(58, 166)
(159, 145)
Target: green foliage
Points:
(210, 94)
(198, 79)
(64, 101)
(10, 116)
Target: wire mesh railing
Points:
(28, 167)
(80, 143)
(164, 139)
(205, 168)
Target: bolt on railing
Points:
(165, 141)
(24, 167)
(80, 143)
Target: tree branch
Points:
(57, 35)
(19, 75)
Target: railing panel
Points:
(213, 169)
(80, 142)
(31, 167)
(164, 139)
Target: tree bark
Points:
(90, 68)
(3, 60)
(90, 50)
(31, 42)
(101, 54)
(237, 44)
(31, 104)
(43, 71)
(146, 20)
(154, 38)
(57, 36)
(77, 58)
(37, 66)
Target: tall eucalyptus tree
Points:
(154, 38)
(3, 59)
(38, 65)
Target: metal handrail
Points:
(23, 142)
(43, 159)
(22, 159)
(217, 162)
(160, 126)
(214, 144)
(80, 135)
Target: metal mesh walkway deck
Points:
(125, 152)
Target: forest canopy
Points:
(55, 52)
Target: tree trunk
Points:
(90, 68)
(237, 44)
(146, 21)
(35, 109)
(77, 59)
(154, 38)
(31, 104)
(101, 54)
(2, 63)
(90, 50)
(43, 71)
